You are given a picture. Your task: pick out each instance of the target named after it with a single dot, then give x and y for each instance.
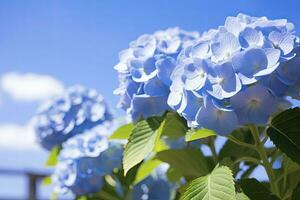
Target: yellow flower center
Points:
(254, 102)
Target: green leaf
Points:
(145, 169)
(189, 161)
(141, 142)
(198, 134)
(241, 196)
(160, 145)
(122, 132)
(173, 175)
(256, 190)
(130, 176)
(52, 159)
(235, 151)
(288, 177)
(296, 194)
(229, 163)
(46, 181)
(217, 185)
(284, 132)
(173, 126)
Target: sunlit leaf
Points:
(198, 134)
(173, 125)
(122, 132)
(47, 181)
(53, 156)
(217, 185)
(145, 169)
(141, 142)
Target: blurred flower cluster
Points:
(155, 186)
(79, 109)
(84, 161)
(238, 74)
(145, 69)
(79, 123)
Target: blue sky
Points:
(77, 41)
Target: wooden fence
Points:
(32, 179)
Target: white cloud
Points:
(18, 137)
(30, 86)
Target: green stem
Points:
(247, 159)
(265, 162)
(236, 141)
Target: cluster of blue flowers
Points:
(77, 110)
(145, 69)
(238, 74)
(84, 161)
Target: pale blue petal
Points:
(233, 25)
(225, 45)
(226, 83)
(144, 106)
(165, 67)
(249, 63)
(275, 85)
(247, 80)
(142, 71)
(210, 117)
(289, 72)
(193, 105)
(195, 76)
(273, 56)
(284, 41)
(251, 37)
(169, 46)
(176, 93)
(254, 105)
(149, 66)
(155, 87)
(200, 50)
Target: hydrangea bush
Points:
(235, 82)
(184, 93)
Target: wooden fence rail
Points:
(32, 180)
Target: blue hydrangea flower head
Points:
(77, 110)
(145, 69)
(228, 76)
(84, 161)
